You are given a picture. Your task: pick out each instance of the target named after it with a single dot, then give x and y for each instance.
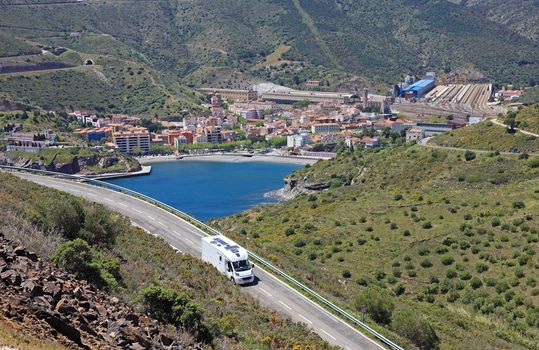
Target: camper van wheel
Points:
(232, 280)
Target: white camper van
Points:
(229, 258)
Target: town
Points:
(297, 123)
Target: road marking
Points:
(74, 190)
(91, 194)
(265, 291)
(138, 211)
(305, 318)
(332, 337)
(109, 200)
(151, 218)
(123, 205)
(160, 223)
(190, 241)
(289, 308)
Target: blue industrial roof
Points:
(418, 85)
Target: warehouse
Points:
(418, 89)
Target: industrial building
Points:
(419, 88)
(232, 94)
(291, 96)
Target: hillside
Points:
(489, 137)
(448, 240)
(198, 43)
(142, 271)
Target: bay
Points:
(207, 189)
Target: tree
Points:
(416, 328)
(378, 301)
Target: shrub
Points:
(409, 324)
(481, 267)
(289, 231)
(451, 273)
(519, 205)
(399, 289)
(378, 302)
(427, 225)
(447, 260)
(475, 283)
(441, 249)
(397, 197)
(346, 274)
(82, 260)
(469, 155)
(426, 263)
(58, 212)
(170, 306)
(299, 243)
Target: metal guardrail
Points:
(211, 231)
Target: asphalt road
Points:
(185, 238)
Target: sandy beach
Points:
(231, 158)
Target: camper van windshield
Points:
(242, 265)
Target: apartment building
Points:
(324, 128)
(132, 140)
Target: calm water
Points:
(210, 189)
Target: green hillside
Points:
(447, 236)
(490, 137)
(125, 260)
(337, 41)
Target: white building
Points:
(298, 141)
(135, 139)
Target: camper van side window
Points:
(220, 258)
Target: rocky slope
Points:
(53, 305)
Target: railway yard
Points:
(456, 99)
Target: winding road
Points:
(186, 238)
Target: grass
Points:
(528, 118)
(147, 260)
(11, 335)
(426, 220)
(488, 136)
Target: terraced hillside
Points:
(447, 238)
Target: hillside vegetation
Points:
(422, 237)
(490, 137)
(526, 118)
(336, 41)
(105, 249)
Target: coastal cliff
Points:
(87, 164)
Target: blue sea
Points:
(210, 189)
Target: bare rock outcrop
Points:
(52, 304)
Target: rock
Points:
(11, 277)
(52, 289)
(65, 307)
(61, 326)
(32, 288)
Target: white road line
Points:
(160, 223)
(123, 205)
(151, 218)
(190, 241)
(305, 318)
(138, 211)
(289, 308)
(265, 291)
(91, 194)
(74, 190)
(176, 232)
(109, 200)
(332, 337)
